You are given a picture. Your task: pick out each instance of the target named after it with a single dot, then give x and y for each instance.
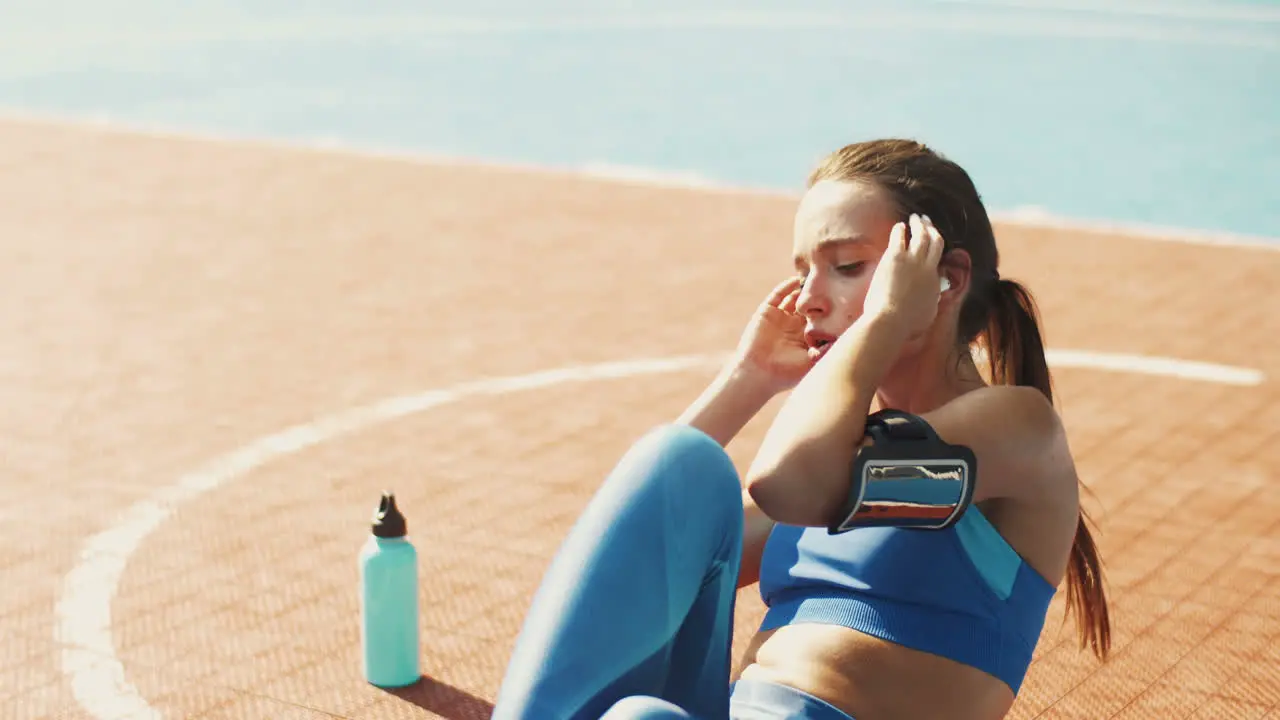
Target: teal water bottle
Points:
(389, 600)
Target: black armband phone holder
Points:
(908, 477)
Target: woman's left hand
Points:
(905, 284)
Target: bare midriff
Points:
(871, 679)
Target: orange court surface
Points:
(217, 355)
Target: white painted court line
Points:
(83, 613)
(1151, 365)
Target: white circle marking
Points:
(83, 612)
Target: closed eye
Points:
(850, 268)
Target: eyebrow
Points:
(833, 242)
(828, 243)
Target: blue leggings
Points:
(635, 612)
(634, 617)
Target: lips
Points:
(819, 343)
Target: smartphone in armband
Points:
(907, 477)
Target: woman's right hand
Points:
(771, 358)
(772, 345)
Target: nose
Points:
(812, 301)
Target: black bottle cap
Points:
(387, 521)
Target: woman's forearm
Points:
(801, 474)
(728, 404)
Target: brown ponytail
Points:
(1015, 352)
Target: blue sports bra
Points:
(962, 593)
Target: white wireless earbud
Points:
(946, 283)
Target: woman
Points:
(896, 281)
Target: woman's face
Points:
(841, 230)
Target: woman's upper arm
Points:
(755, 533)
(1015, 435)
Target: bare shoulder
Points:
(1017, 437)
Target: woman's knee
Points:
(690, 462)
(643, 707)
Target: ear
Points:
(955, 269)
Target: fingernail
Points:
(927, 219)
